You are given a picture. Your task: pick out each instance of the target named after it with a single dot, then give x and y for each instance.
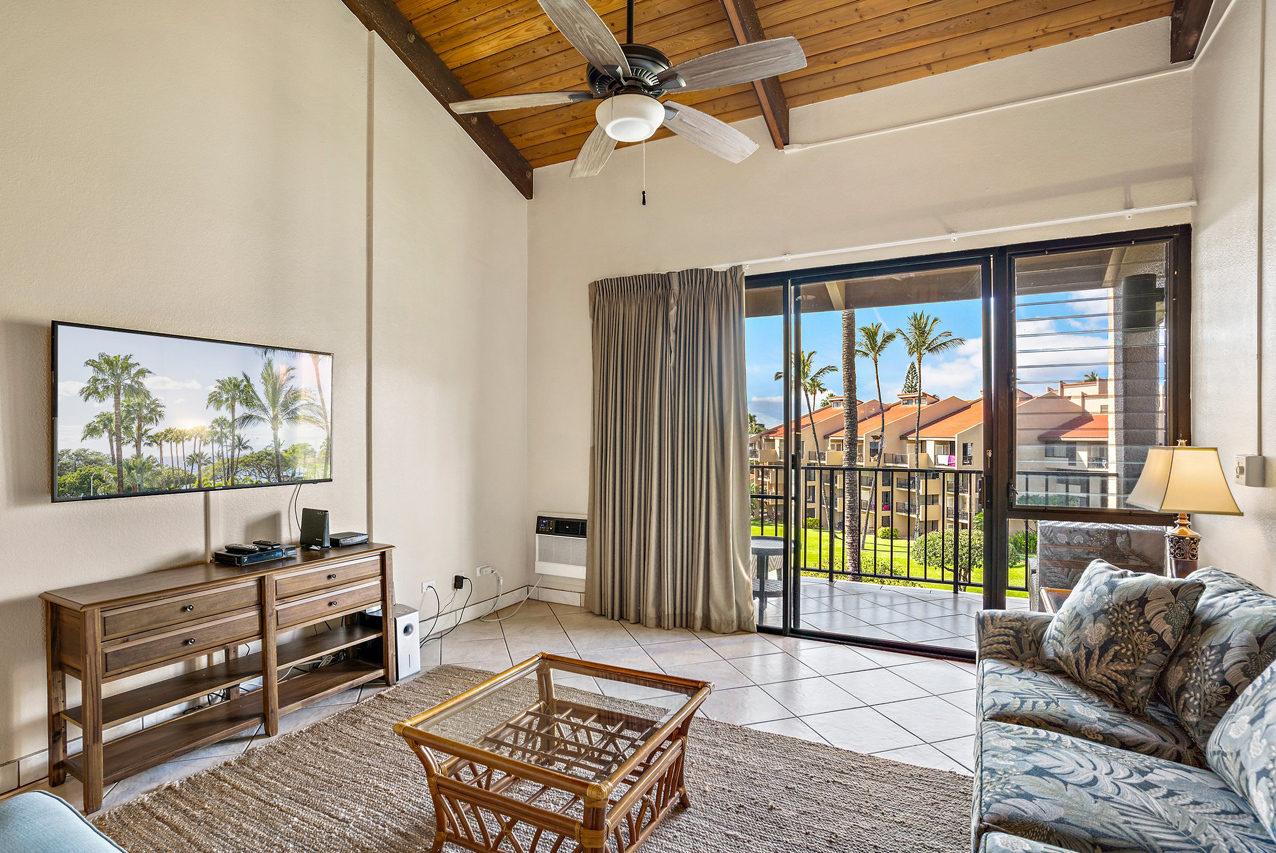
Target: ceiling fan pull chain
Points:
(644, 173)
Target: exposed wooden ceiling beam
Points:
(745, 26)
(1186, 25)
(398, 32)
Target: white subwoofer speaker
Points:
(407, 630)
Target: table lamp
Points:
(1183, 480)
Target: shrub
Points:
(812, 524)
(887, 533)
(936, 549)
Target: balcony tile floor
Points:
(899, 613)
(898, 706)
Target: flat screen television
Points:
(141, 413)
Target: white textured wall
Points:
(203, 169)
(1094, 153)
(449, 384)
(1228, 400)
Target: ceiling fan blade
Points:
(741, 64)
(593, 154)
(518, 102)
(709, 133)
(589, 34)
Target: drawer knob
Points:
(332, 577)
(332, 604)
(191, 641)
(189, 608)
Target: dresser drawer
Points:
(330, 603)
(312, 580)
(197, 606)
(183, 641)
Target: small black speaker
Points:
(314, 529)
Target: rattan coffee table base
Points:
(498, 794)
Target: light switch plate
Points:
(1250, 470)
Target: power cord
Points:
(438, 611)
(293, 512)
(468, 596)
(500, 587)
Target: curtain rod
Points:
(1128, 213)
(1039, 99)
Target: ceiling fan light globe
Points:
(630, 117)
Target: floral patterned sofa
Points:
(1060, 768)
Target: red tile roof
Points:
(821, 415)
(949, 425)
(1083, 428)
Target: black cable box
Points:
(266, 556)
(339, 539)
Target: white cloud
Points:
(163, 383)
(959, 373)
(70, 388)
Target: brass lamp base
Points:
(1185, 548)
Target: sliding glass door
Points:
(934, 436)
(868, 462)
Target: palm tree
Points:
(114, 378)
(219, 435)
(323, 417)
(228, 394)
(156, 440)
(850, 443)
(279, 403)
(1092, 376)
(138, 467)
(811, 381)
(872, 345)
(102, 425)
(922, 336)
(142, 411)
(755, 426)
(199, 459)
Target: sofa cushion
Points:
(1242, 749)
(1230, 639)
(1002, 842)
(1115, 632)
(1091, 797)
(1013, 693)
(1013, 635)
(40, 822)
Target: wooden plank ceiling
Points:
(502, 48)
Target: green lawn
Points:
(815, 545)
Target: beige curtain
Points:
(668, 491)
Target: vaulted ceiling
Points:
(495, 48)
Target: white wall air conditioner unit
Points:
(560, 545)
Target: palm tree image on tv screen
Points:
(139, 413)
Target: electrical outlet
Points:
(426, 586)
(486, 570)
(1250, 471)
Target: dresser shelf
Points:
(190, 615)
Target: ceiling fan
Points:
(629, 80)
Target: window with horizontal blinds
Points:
(1091, 356)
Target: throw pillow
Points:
(1242, 749)
(1230, 640)
(1115, 632)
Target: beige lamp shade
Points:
(1183, 479)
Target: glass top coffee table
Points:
(557, 754)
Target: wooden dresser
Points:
(300, 610)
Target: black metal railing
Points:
(930, 538)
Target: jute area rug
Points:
(348, 783)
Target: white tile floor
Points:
(897, 613)
(898, 706)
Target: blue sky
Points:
(956, 373)
(183, 372)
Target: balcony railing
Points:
(940, 505)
